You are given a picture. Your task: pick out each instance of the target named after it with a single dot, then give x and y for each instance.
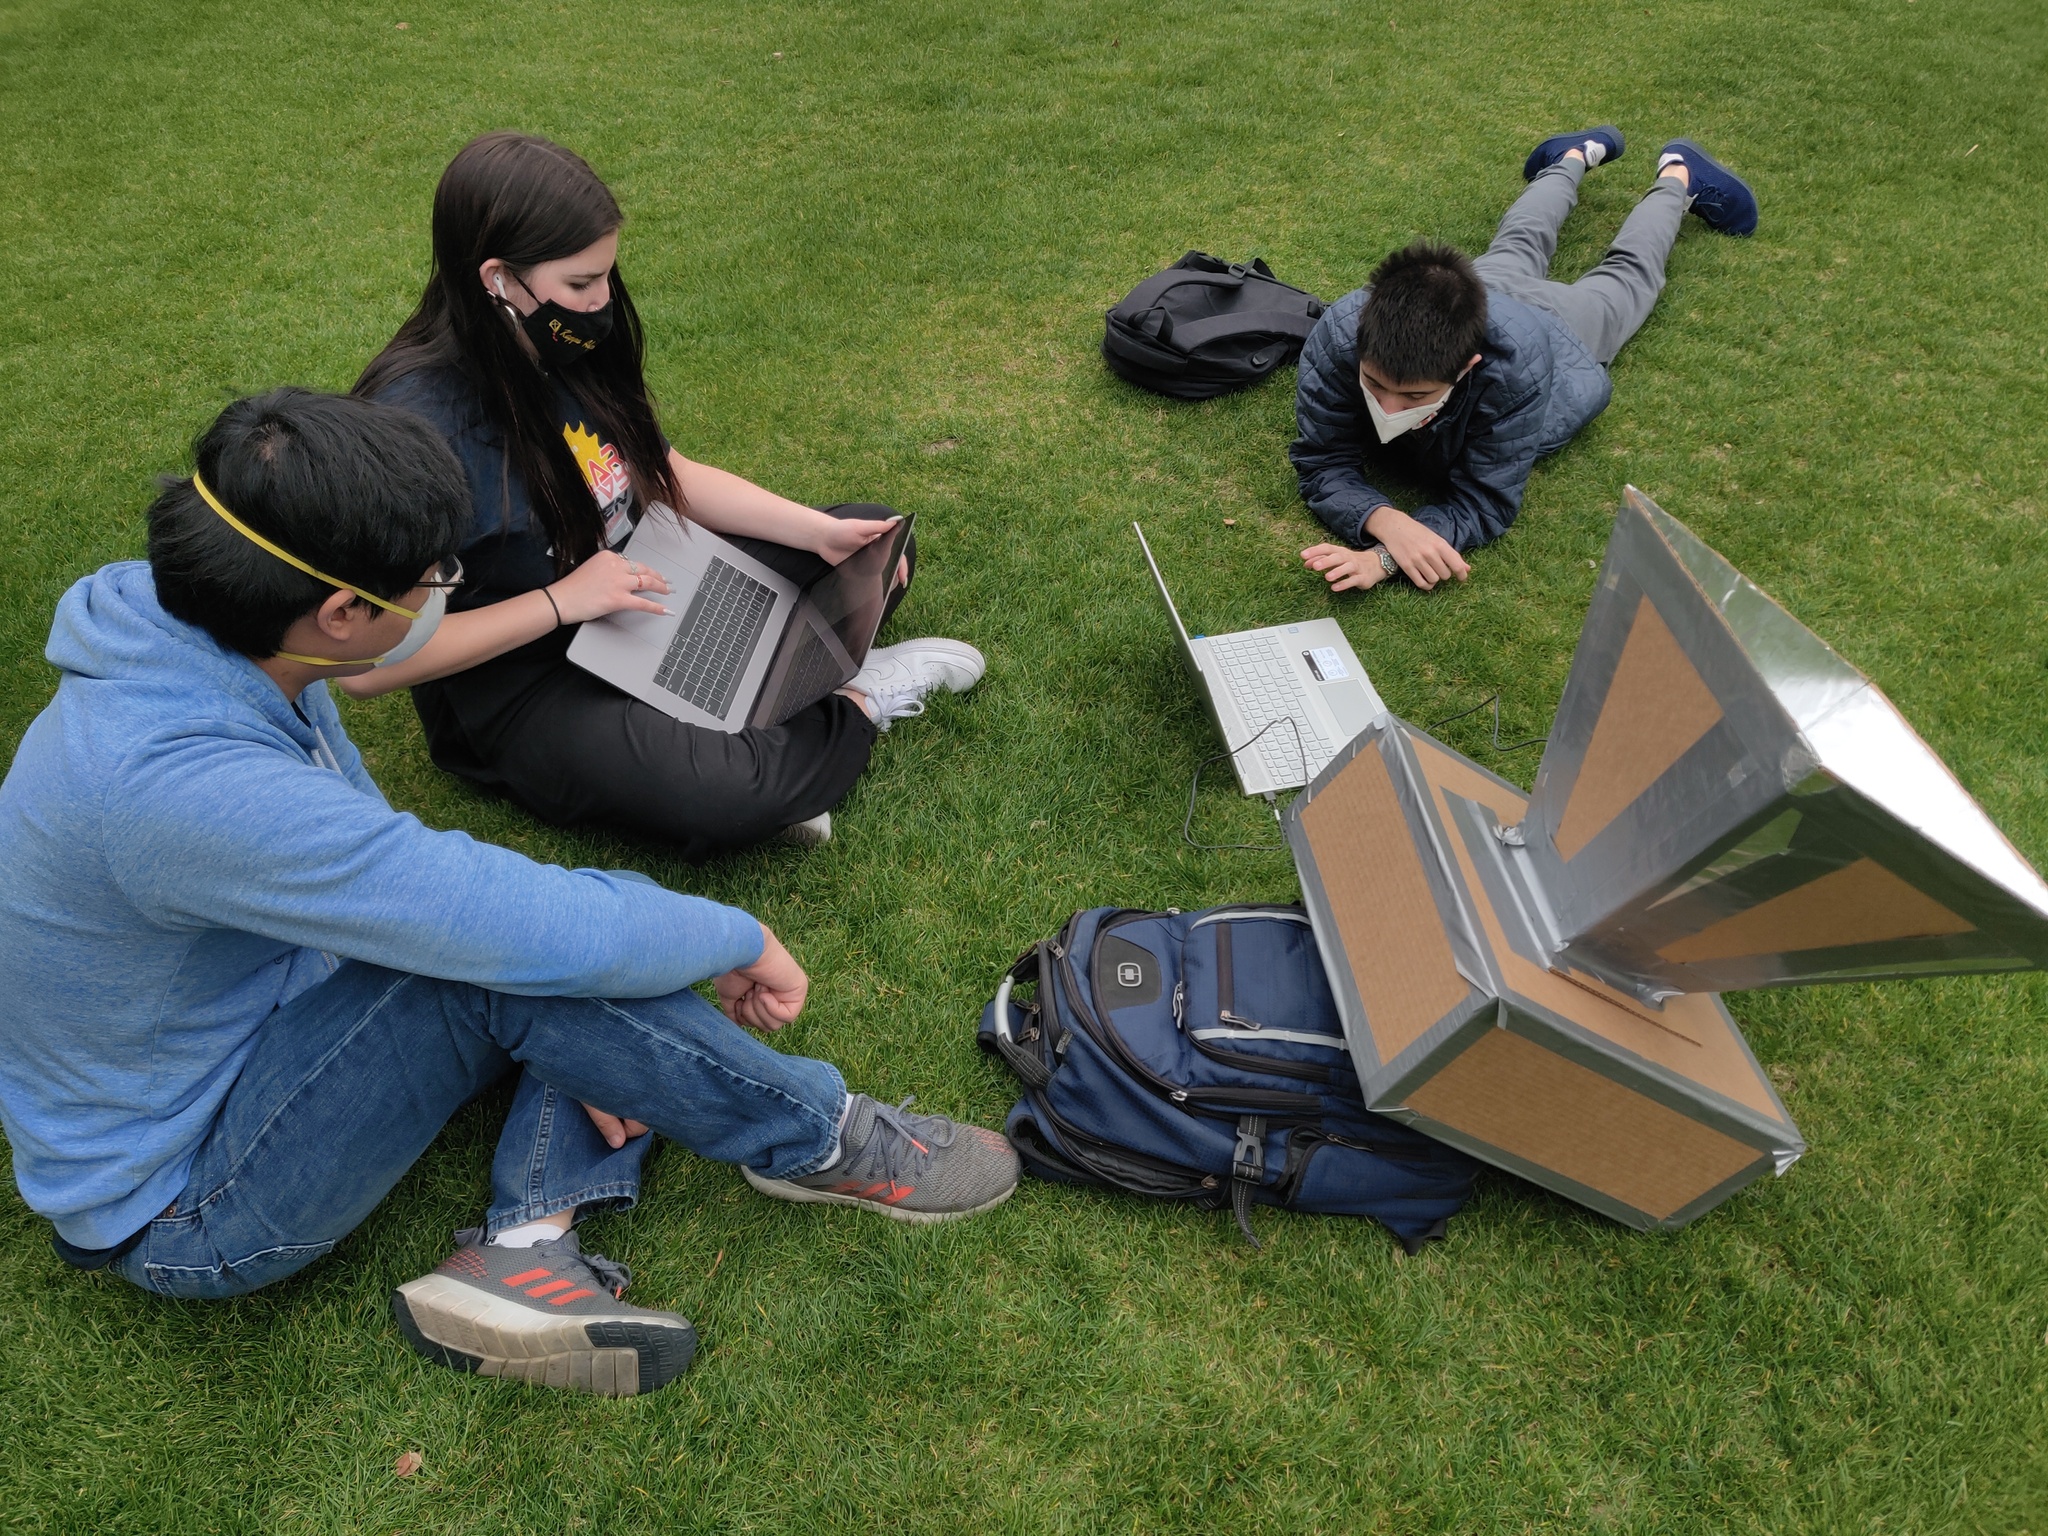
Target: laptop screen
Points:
(851, 596)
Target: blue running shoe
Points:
(1558, 145)
(1721, 198)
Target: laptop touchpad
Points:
(1352, 706)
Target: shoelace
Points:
(920, 1152)
(896, 704)
(616, 1276)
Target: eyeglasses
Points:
(446, 578)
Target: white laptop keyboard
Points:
(1265, 687)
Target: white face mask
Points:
(1391, 424)
(421, 632)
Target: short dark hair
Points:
(1425, 316)
(368, 493)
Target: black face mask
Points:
(561, 335)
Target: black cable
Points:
(1498, 746)
(1187, 826)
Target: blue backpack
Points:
(1197, 1056)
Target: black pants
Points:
(574, 750)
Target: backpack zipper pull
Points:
(1227, 1017)
(1179, 996)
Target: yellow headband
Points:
(288, 558)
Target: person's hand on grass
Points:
(767, 994)
(1346, 570)
(1424, 555)
(616, 1132)
(608, 582)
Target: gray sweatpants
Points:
(1609, 304)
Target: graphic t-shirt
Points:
(604, 471)
(506, 550)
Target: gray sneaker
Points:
(549, 1315)
(919, 1168)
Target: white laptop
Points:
(1285, 698)
(740, 646)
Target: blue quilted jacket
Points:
(1535, 386)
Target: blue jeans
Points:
(351, 1081)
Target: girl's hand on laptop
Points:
(767, 994)
(1346, 570)
(608, 582)
(838, 537)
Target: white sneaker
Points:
(808, 834)
(897, 677)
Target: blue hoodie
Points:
(184, 851)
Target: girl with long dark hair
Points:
(526, 352)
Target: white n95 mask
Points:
(424, 623)
(423, 627)
(1391, 424)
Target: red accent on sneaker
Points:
(552, 1285)
(890, 1193)
(567, 1296)
(466, 1262)
(526, 1275)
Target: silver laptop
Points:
(1285, 698)
(740, 646)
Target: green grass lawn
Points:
(872, 243)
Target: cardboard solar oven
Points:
(1723, 803)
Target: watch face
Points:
(1387, 562)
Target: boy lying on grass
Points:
(1464, 373)
(240, 994)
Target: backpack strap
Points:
(1153, 291)
(1030, 1068)
(1247, 1170)
(1276, 322)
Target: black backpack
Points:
(1204, 327)
(1197, 1056)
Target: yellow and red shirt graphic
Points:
(605, 473)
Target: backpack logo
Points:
(1129, 974)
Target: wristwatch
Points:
(1387, 562)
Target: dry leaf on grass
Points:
(408, 1464)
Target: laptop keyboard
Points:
(1265, 687)
(716, 639)
(813, 672)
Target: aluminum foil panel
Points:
(1724, 802)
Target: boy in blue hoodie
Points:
(240, 994)
(1461, 373)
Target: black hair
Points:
(368, 493)
(526, 200)
(1425, 316)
